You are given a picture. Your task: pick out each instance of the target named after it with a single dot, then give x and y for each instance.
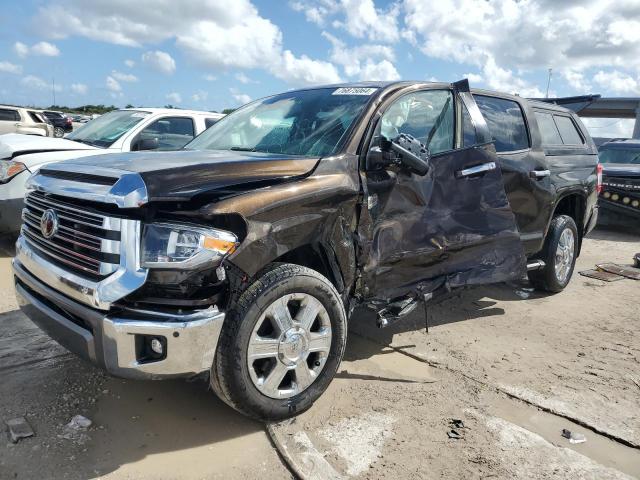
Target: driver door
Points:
(449, 228)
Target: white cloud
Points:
(21, 49)
(473, 77)
(364, 62)
(305, 71)
(216, 34)
(174, 97)
(130, 63)
(210, 78)
(35, 83)
(45, 49)
(576, 80)
(200, 96)
(113, 85)
(8, 67)
(79, 88)
(618, 82)
(159, 61)
(241, 98)
(514, 37)
(359, 18)
(124, 77)
(242, 78)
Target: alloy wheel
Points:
(289, 345)
(564, 255)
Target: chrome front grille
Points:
(86, 242)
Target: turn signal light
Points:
(599, 178)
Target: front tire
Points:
(281, 344)
(559, 254)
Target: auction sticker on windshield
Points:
(354, 91)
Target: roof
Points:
(175, 111)
(621, 143)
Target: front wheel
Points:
(280, 344)
(559, 254)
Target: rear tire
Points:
(559, 254)
(58, 132)
(281, 344)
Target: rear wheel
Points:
(559, 255)
(280, 344)
(58, 132)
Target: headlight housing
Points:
(173, 246)
(9, 169)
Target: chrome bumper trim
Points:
(109, 341)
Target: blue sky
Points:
(213, 54)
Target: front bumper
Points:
(112, 341)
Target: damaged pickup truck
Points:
(244, 256)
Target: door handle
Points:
(467, 172)
(539, 174)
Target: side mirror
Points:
(147, 144)
(413, 153)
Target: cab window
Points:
(428, 116)
(172, 133)
(505, 121)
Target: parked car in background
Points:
(25, 121)
(244, 255)
(61, 123)
(620, 196)
(118, 131)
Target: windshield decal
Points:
(354, 91)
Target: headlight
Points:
(166, 245)
(9, 169)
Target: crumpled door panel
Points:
(440, 231)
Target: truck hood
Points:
(181, 175)
(621, 170)
(15, 144)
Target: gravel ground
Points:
(514, 366)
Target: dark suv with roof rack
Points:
(244, 255)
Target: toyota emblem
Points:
(49, 223)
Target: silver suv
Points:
(25, 121)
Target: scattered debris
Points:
(636, 260)
(574, 437)
(628, 272)
(600, 275)
(79, 423)
(19, 428)
(453, 434)
(455, 423)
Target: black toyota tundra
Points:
(244, 255)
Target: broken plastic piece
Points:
(19, 428)
(629, 272)
(600, 275)
(457, 423)
(574, 437)
(454, 435)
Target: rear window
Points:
(506, 123)
(568, 130)
(548, 129)
(7, 114)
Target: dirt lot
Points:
(514, 366)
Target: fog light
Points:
(606, 194)
(626, 200)
(635, 204)
(156, 346)
(615, 197)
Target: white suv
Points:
(125, 130)
(24, 120)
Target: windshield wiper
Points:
(86, 142)
(242, 149)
